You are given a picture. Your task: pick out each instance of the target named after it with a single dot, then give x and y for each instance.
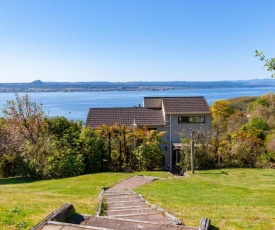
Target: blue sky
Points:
(134, 40)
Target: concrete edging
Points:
(60, 214)
(99, 209)
(169, 216)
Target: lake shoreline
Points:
(75, 105)
(46, 87)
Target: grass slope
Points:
(25, 203)
(231, 198)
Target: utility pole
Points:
(134, 126)
(192, 155)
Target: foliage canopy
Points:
(37, 146)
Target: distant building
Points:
(170, 114)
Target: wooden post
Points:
(134, 127)
(120, 153)
(110, 148)
(205, 224)
(192, 156)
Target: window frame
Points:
(191, 119)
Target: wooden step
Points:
(131, 212)
(124, 224)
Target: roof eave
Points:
(189, 113)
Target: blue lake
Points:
(75, 105)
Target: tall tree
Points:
(149, 152)
(122, 135)
(28, 131)
(67, 156)
(25, 118)
(107, 131)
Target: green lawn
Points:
(24, 203)
(231, 198)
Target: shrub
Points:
(64, 164)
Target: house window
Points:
(193, 119)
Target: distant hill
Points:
(37, 82)
(40, 86)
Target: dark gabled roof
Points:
(124, 116)
(185, 105)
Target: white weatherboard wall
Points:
(177, 128)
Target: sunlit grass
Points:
(31, 202)
(231, 198)
(24, 203)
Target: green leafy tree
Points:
(125, 143)
(149, 152)
(132, 148)
(119, 141)
(268, 63)
(94, 151)
(65, 158)
(256, 127)
(262, 100)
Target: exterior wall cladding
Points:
(177, 129)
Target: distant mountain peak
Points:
(37, 82)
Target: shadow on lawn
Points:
(214, 173)
(13, 180)
(213, 228)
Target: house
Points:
(171, 114)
